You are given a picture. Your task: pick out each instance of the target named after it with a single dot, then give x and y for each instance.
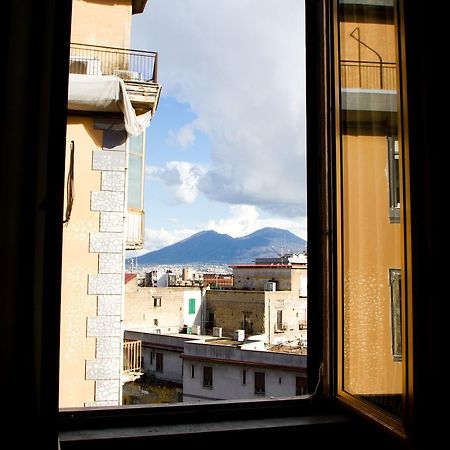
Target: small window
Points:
(136, 171)
(396, 313)
(394, 180)
(300, 386)
(155, 322)
(192, 371)
(279, 324)
(260, 383)
(156, 301)
(192, 306)
(159, 362)
(207, 377)
(244, 377)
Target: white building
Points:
(211, 368)
(224, 370)
(162, 309)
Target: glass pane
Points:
(219, 228)
(135, 180)
(370, 198)
(136, 143)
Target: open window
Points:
(420, 191)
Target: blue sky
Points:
(226, 147)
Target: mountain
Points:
(215, 248)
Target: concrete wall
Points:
(93, 268)
(171, 347)
(229, 308)
(139, 309)
(292, 311)
(102, 22)
(77, 263)
(253, 277)
(228, 364)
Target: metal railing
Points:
(368, 75)
(135, 65)
(132, 352)
(135, 229)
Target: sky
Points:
(225, 150)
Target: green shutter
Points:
(192, 306)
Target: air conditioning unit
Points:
(195, 329)
(128, 75)
(217, 331)
(270, 286)
(239, 335)
(85, 65)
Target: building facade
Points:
(265, 299)
(163, 309)
(113, 94)
(220, 370)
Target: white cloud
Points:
(239, 65)
(181, 177)
(156, 239)
(182, 138)
(245, 219)
(242, 220)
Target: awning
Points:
(105, 93)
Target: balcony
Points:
(374, 75)
(135, 229)
(132, 360)
(138, 69)
(369, 93)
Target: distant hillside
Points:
(215, 248)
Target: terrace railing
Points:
(135, 65)
(368, 75)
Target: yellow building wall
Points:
(77, 262)
(361, 47)
(379, 37)
(372, 246)
(102, 22)
(228, 307)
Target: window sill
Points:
(146, 435)
(311, 421)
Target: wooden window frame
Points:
(38, 227)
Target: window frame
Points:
(321, 358)
(262, 407)
(259, 383)
(208, 374)
(397, 425)
(38, 228)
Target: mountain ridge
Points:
(209, 246)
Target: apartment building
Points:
(209, 368)
(112, 97)
(224, 370)
(162, 309)
(269, 299)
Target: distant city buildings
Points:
(221, 336)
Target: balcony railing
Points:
(132, 356)
(368, 75)
(134, 65)
(135, 229)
